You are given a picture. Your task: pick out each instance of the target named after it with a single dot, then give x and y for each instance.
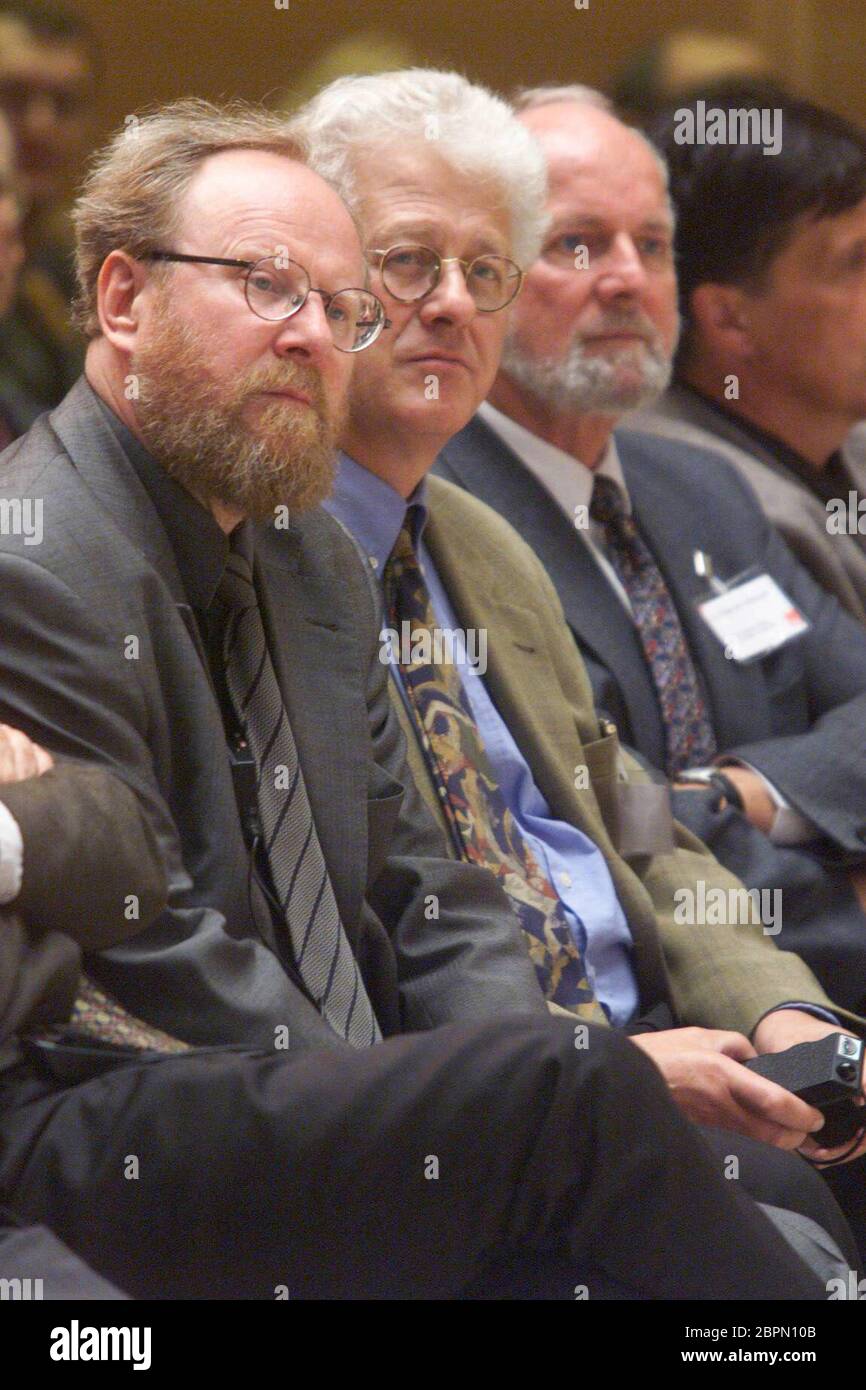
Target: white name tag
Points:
(753, 619)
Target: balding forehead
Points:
(577, 137)
(574, 128)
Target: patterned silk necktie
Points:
(689, 735)
(482, 827)
(309, 909)
(97, 1016)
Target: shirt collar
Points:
(568, 481)
(373, 510)
(199, 544)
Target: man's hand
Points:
(786, 1028)
(758, 806)
(703, 1069)
(20, 757)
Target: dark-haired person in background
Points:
(47, 63)
(771, 367)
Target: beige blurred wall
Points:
(158, 49)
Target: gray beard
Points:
(591, 385)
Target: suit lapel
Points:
(729, 685)
(486, 467)
(518, 663)
(532, 706)
(316, 658)
(96, 455)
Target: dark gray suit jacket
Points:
(436, 941)
(798, 715)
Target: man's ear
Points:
(721, 320)
(119, 287)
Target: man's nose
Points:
(622, 271)
(307, 333)
(450, 298)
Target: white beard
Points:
(591, 384)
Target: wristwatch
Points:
(714, 777)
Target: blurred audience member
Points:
(47, 60)
(17, 408)
(771, 368)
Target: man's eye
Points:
(263, 283)
(569, 243)
(656, 248)
(336, 313)
(407, 260)
(487, 271)
(567, 246)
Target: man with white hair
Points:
(638, 534)
(502, 735)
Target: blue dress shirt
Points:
(374, 512)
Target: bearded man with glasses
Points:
(230, 673)
(206, 629)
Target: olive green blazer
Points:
(711, 976)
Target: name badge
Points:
(753, 618)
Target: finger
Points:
(735, 1045)
(44, 760)
(23, 763)
(773, 1103)
(730, 1115)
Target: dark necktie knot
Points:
(608, 505)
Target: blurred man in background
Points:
(47, 64)
(771, 366)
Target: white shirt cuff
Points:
(11, 856)
(789, 827)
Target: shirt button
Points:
(374, 563)
(565, 880)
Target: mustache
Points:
(297, 375)
(624, 321)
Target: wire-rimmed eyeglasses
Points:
(277, 287)
(411, 272)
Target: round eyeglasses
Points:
(412, 272)
(276, 288)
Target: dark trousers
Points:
(481, 1160)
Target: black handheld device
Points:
(827, 1074)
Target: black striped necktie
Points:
(309, 909)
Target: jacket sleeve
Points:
(92, 865)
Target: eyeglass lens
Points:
(276, 288)
(410, 272)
